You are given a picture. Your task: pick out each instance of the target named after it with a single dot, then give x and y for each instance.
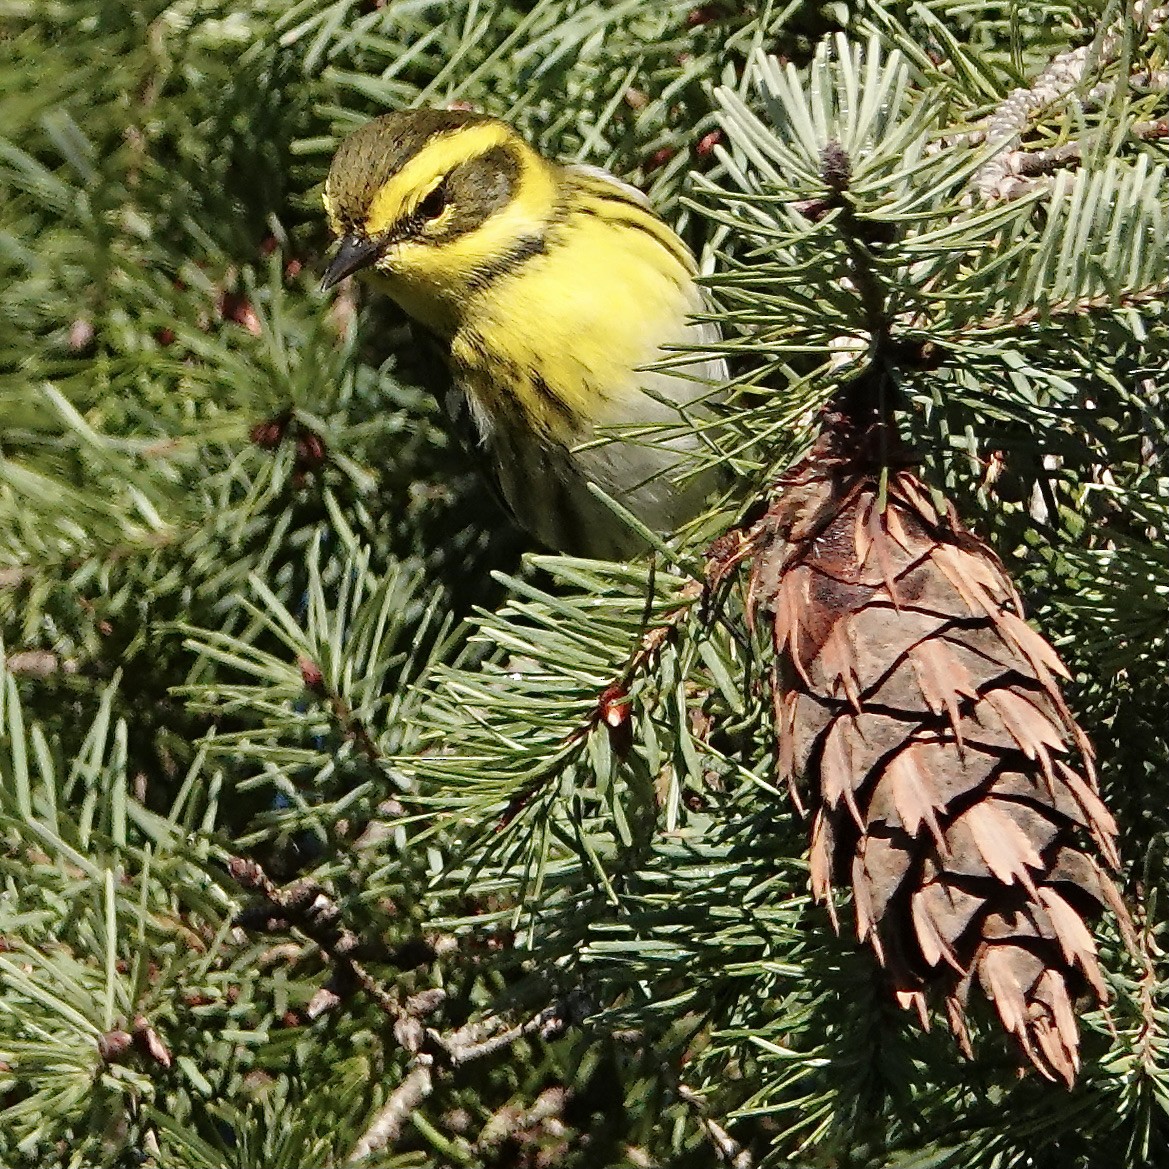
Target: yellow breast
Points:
(561, 340)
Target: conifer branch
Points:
(233, 506)
(1087, 306)
(436, 1054)
(1004, 175)
(612, 709)
(305, 906)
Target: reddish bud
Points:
(814, 210)
(234, 307)
(268, 245)
(248, 318)
(292, 269)
(724, 547)
(269, 433)
(995, 464)
(310, 674)
(703, 15)
(659, 158)
(165, 335)
(708, 142)
(835, 166)
(245, 871)
(613, 707)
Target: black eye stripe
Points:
(464, 200)
(434, 204)
(479, 188)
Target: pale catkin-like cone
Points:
(955, 791)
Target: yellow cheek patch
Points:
(398, 196)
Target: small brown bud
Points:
(113, 1045)
(814, 209)
(995, 463)
(150, 1041)
(243, 870)
(311, 452)
(614, 706)
(835, 167)
(232, 306)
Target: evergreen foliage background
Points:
(255, 606)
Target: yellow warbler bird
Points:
(552, 289)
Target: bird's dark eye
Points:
(432, 206)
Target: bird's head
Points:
(435, 201)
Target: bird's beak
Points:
(354, 254)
